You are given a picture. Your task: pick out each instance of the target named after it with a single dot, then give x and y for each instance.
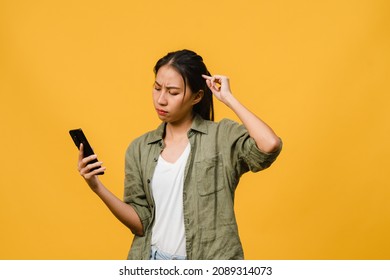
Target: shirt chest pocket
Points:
(209, 175)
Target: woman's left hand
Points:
(219, 86)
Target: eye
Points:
(156, 86)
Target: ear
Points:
(198, 97)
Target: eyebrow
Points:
(168, 87)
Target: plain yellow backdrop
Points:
(316, 71)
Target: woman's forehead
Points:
(169, 76)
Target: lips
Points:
(161, 112)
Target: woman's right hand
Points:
(87, 170)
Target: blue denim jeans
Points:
(157, 254)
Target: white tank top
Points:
(168, 232)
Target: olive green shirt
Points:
(220, 153)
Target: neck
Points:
(178, 129)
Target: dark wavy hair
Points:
(191, 67)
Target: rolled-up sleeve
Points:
(255, 158)
(244, 151)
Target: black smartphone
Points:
(78, 137)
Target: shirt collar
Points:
(198, 125)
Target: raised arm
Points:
(122, 211)
(265, 138)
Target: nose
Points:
(162, 100)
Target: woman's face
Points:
(170, 102)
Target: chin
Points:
(162, 118)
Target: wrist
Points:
(94, 185)
(230, 101)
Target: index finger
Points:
(215, 78)
(207, 77)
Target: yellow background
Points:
(316, 71)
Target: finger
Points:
(215, 81)
(208, 83)
(95, 172)
(90, 168)
(99, 171)
(88, 159)
(222, 82)
(207, 77)
(219, 77)
(214, 89)
(81, 151)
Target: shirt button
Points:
(155, 159)
(148, 181)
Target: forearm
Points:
(265, 138)
(122, 211)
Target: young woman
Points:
(180, 179)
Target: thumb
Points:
(81, 152)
